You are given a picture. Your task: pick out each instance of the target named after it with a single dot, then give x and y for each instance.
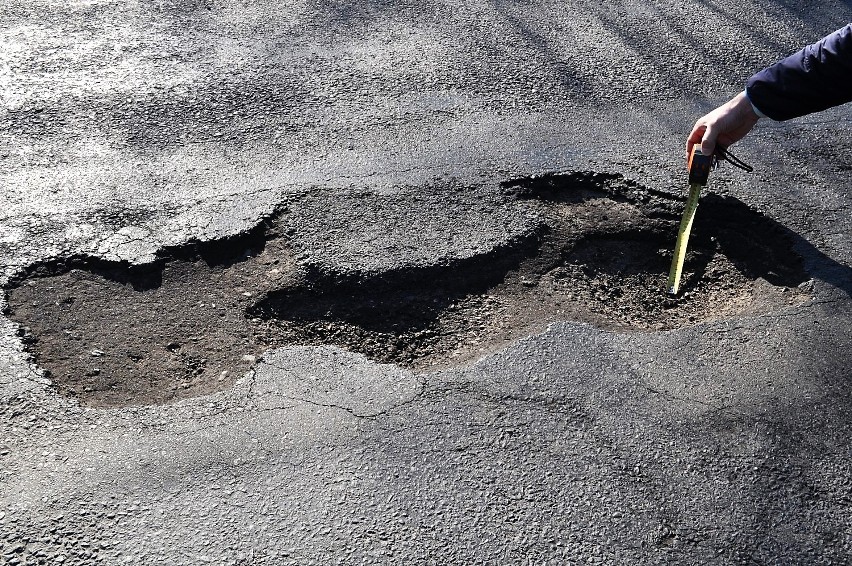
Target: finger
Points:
(694, 137)
(708, 142)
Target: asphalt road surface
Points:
(407, 380)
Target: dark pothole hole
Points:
(112, 334)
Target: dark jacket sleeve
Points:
(817, 77)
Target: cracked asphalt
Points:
(127, 128)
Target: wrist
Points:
(753, 111)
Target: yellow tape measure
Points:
(699, 169)
(683, 238)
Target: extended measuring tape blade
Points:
(683, 238)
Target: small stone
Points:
(97, 353)
(249, 358)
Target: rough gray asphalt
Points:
(131, 126)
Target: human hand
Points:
(727, 124)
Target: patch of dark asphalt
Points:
(112, 334)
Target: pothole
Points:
(111, 334)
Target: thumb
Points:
(708, 142)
